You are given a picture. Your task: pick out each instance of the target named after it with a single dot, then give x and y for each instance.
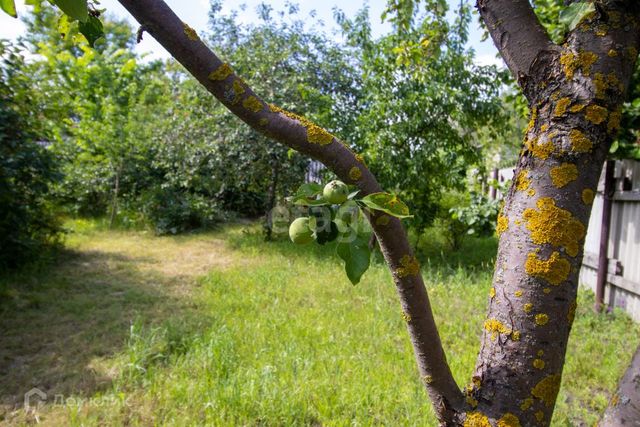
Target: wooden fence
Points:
(622, 287)
(623, 246)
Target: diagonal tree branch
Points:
(516, 32)
(296, 132)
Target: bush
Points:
(28, 225)
(171, 211)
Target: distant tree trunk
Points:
(114, 200)
(271, 199)
(624, 408)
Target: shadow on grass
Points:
(59, 326)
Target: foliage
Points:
(343, 222)
(28, 224)
(313, 76)
(422, 100)
(479, 216)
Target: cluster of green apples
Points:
(303, 230)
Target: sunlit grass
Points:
(274, 334)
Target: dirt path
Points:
(60, 328)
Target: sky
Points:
(195, 13)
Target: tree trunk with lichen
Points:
(575, 93)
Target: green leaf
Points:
(614, 146)
(356, 256)
(571, 15)
(309, 189)
(309, 202)
(353, 194)
(388, 203)
(64, 25)
(92, 30)
(9, 7)
(76, 9)
(305, 196)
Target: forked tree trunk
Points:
(575, 93)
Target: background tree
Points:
(424, 103)
(28, 224)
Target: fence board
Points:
(623, 281)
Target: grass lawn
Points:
(221, 328)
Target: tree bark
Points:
(271, 202)
(114, 202)
(575, 92)
(296, 132)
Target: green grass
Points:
(225, 329)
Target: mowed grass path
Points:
(221, 328)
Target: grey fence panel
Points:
(623, 279)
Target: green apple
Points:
(299, 231)
(335, 192)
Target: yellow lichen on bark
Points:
(476, 419)
(221, 73)
(547, 389)
(555, 226)
(587, 196)
(614, 121)
(539, 150)
(564, 174)
(522, 180)
(527, 307)
(526, 404)
(315, 134)
(502, 225)
(538, 363)
(555, 270)
(409, 266)
(492, 292)
(596, 114)
(190, 32)
(572, 62)
(577, 108)
(496, 327)
(355, 173)
(561, 107)
(579, 141)
(252, 104)
(541, 319)
(518, 294)
(509, 420)
(238, 90)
